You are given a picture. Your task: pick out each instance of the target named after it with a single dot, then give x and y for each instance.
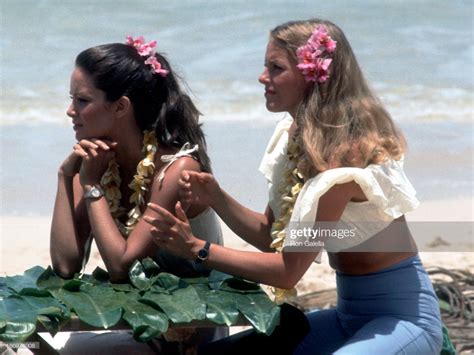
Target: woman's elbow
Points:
(118, 276)
(286, 282)
(65, 271)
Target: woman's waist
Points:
(365, 263)
(406, 276)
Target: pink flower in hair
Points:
(312, 57)
(147, 50)
(156, 66)
(144, 49)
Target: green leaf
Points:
(4, 290)
(34, 292)
(125, 287)
(221, 308)
(150, 267)
(169, 282)
(48, 280)
(97, 306)
(27, 280)
(146, 321)
(15, 309)
(262, 313)
(138, 277)
(17, 332)
(216, 278)
(183, 306)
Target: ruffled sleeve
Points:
(274, 162)
(388, 191)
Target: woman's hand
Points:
(198, 188)
(96, 155)
(173, 234)
(71, 165)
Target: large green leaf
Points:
(216, 278)
(97, 306)
(262, 313)
(48, 280)
(221, 308)
(4, 290)
(27, 280)
(169, 282)
(46, 306)
(15, 309)
(146, 321)
(17, 332)
(183, 306)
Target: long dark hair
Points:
(158, 102)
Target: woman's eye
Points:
(275, 67)
(80, 100)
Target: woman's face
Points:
(284, 83)
(92, 115)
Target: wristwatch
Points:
(203, 254)
(93, 192)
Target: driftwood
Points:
(455, 290)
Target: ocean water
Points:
(418, 56)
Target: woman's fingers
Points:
(163, 214)
(180, 212)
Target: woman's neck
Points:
(128, 152)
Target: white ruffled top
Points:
(388, 191)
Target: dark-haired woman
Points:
(136, 131)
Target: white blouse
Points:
(388, 191)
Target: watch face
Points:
(95, 192)
(202, 254)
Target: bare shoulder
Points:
(173, 171)
(349, 190)
(335, 200)
(184, 163)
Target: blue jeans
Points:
(393, 311)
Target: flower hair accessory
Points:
(312, 57)
(147, 50)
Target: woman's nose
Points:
(70, 111)
(263, 78)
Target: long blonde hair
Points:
(339, 122)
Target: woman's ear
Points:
(123, 106)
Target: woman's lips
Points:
(76, 126)
(269, 92)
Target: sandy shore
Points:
(25, 243)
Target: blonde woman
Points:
(336, 162)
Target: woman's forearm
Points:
(67, 240)
(282, 270)
(251, 226)
(110, 242)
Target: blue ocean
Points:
(417, 55)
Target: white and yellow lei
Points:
(111, 181)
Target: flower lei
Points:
(312, 57)
(111, 181)
(147, 50)
(289, 191)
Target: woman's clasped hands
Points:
(89, 158)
